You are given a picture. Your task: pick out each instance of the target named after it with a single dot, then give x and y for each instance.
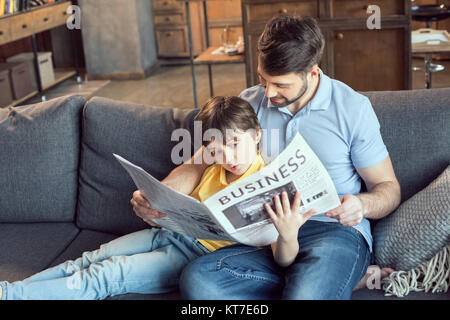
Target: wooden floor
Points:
(171, 86)
(69, 87)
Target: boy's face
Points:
(238, 152)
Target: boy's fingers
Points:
(140, 199)
(297, 201)
(145, 212)
(138, 207)
(278, 206)
(134, 204)
(157, 213)
(271, 213)
(285, 202)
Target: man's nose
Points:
(270, 92)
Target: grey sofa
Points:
(62, 192)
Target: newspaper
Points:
(237, 212)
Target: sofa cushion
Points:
(39, 157)
(417, 230)
(141, 134)
(27, 248)
(415, 128)
(86, 240)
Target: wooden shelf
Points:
(31, 9)
(29, 23)
(22, 24)
(23, 99)
(60, 76)
(206, 57)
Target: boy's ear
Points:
(258, 135)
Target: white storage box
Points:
(430, 36)
(45, 66)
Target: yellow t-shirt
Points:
(214, 180)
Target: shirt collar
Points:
(322, 98)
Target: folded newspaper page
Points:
(237, 212)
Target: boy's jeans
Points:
(331, 261)
(147, 261)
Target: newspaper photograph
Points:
(237, 212)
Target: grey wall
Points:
(146, 33)
(118, 36)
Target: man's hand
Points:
(350, 212)
(143, 209)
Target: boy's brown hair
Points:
(224, 113)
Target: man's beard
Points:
(288, 102)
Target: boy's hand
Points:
(143, 209)
(287, 219)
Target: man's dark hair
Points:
(224, 113)
(290, 44)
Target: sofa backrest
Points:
(139, 133)
(39, 158)
(415, 126)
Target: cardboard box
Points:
(45, 66)
(5, 89)
(20, 78)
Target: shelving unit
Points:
(29, 23)
(365, 59)
(205, 57)
(170, 24)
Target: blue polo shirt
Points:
(339, 125)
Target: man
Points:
(334, 249)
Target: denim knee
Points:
(196, 282)
(236, 272)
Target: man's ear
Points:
(315, 71)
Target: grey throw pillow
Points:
(417, 230)
(139, 133)
(39, 157)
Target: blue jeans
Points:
(147, 261)
(331, 261)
